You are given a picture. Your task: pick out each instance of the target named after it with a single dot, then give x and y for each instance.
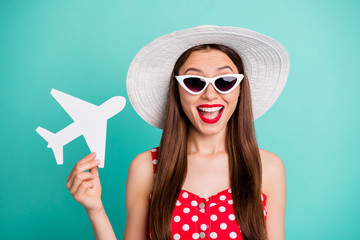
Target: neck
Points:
(205, 144)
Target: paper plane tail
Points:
(50, 138)
(46, 134)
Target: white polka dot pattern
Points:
(195, 236)
(185, 227)
(213, 235)
(195, 217)
(213, 217)
(203, 227)
(223, 226)
(233, 235)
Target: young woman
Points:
(208, 179)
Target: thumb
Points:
(94, 171)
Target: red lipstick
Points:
(213, 120)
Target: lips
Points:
(210, 113)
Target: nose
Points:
(210, 93)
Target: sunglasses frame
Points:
(181, 78)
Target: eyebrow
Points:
(224, 67)
(218, 69)
(192, 69)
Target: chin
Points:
(210, 129)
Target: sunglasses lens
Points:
(194, 84)
(225, 83)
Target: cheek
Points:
(186, 101)
(233, 100)
(182, 98)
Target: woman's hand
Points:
(84, 186)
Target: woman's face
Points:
(203, 110)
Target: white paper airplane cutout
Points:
(89, 120)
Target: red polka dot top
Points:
(195, 217)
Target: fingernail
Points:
(97, 162)
(92, 154)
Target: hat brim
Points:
(266, 63)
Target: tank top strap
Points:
(154, 155)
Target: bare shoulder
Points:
(271, 162)
(273, 170)
(274, 186)
(139, 185)
(140, 173)
(142, 162)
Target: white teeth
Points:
(213, 109)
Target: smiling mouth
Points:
(210, 113)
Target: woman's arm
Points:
(138, 188)
(101, 225)
(274, 182)
(86, 189)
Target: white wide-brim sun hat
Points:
(266, 63)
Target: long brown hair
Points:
(243, 156)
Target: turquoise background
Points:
(84, 48)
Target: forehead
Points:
(208, 60)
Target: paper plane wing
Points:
(77, 109)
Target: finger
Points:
(84, 167)
(78, 179)
(80, 169)
(87, 165)
(94, 171)
(89, 157)
(82, 188)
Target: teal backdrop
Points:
(84, 48)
